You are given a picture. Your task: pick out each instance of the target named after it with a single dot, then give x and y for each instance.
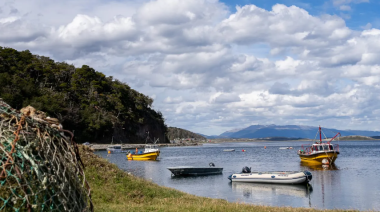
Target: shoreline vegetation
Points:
(116, 190)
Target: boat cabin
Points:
(322, 147)
(319, 148)
(151, 148)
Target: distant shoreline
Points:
(103, 147)
(344, 138)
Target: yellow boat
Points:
(144, 156)
(151, 152)
(319, 152)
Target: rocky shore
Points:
(101, 147)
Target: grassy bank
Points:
(116, 190)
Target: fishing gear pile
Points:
(40, 165)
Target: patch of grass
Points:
(116, 190)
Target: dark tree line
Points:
(98, 108)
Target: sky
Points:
(213, 66)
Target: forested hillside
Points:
(178, 133)
(95, 107)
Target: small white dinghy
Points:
(280, 177)
(286, 148)
(228, 150)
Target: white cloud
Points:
(342, 2)
(202, 63)
(367, 26)
(15, 29)
(177, 12)
(174, 100)
(345, 7)
(225, 98)
(85, 29)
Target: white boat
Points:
(280, 177)
(228, 150)
(114, 149)
(286, 148)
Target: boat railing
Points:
(336, 147)
(304, 149)
(307, 149)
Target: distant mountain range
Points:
(289, 131)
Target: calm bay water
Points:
(353, 183)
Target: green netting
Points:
(40, 166)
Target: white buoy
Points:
(325, 161)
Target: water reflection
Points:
(318, 167)
(250, 189)
(328, 182)
(147, 169)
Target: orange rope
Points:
(3, 173)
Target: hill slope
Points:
(178, 133)
(96, 107)
(290, 131)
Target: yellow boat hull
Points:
(317, 158)
(144, 156)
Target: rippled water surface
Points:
(353, 183)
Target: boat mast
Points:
(147, 136)
(320, 134)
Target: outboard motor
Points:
(211, 164)
(246, 170)
(230, 177)
(308, 175)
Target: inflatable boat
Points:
(280, 177)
